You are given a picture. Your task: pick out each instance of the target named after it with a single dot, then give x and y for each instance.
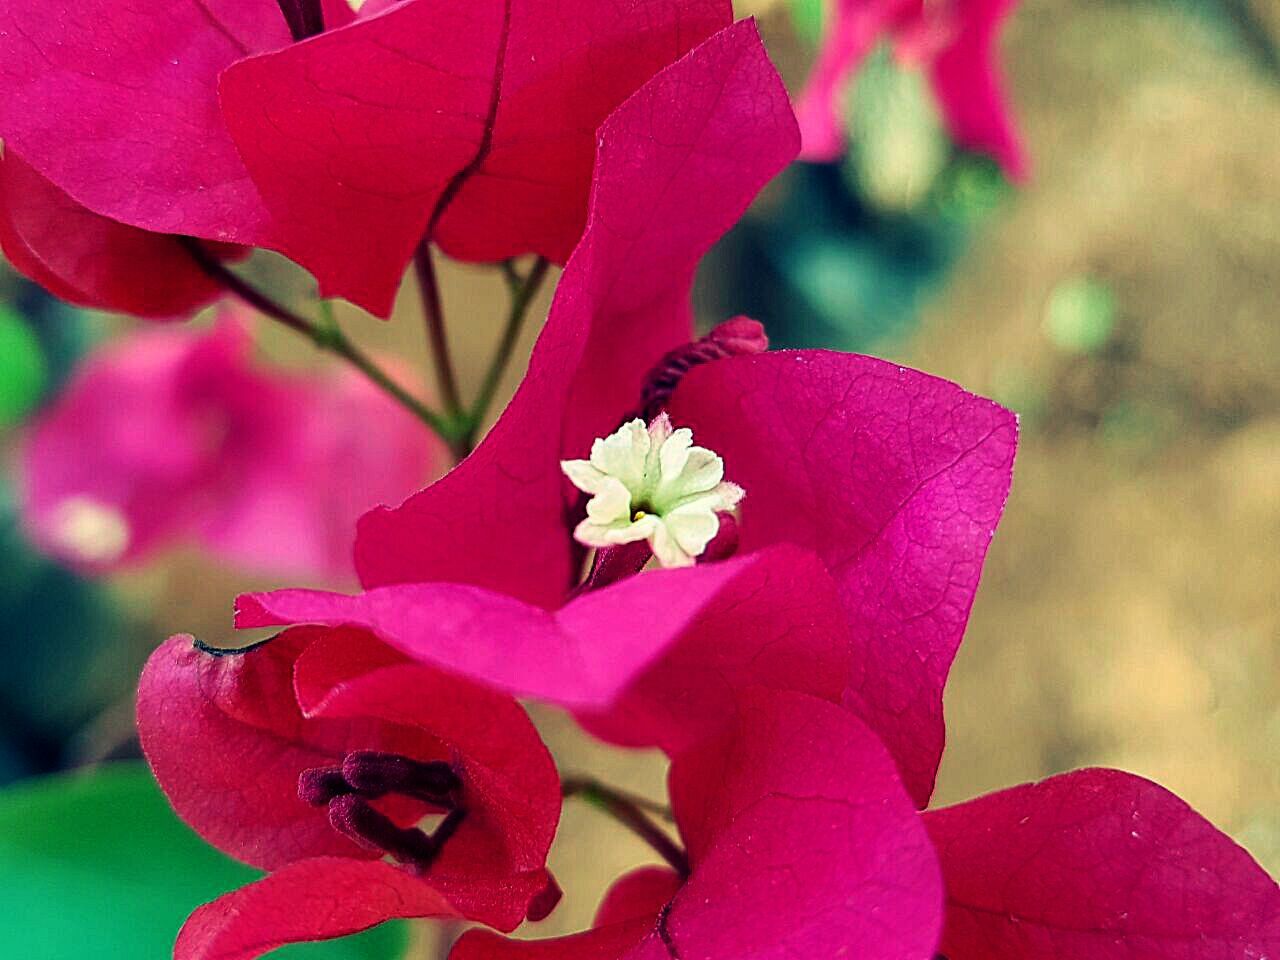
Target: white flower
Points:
(651, 483)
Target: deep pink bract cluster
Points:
(794, 675)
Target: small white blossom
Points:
(651, 483)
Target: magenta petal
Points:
(672, 174)
(897, 480)
(778, 625)
(227, 738)
(637, 895)
(337, 13)
(496, 862)
(603, 943)
(474, 122)
(226, 741)
(316, 899)
(90, 260)
(803, 842)
(967, 80)
(116, 104)
(1098, 865)
(582, 656)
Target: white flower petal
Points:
(583, 475)
(623, 454)
(611, 505)
(595, 535)
(692, 530)
(667, 551)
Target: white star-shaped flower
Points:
(651, 483)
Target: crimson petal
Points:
(676, 165)
(315, 899)
(897, 480)
(474, 123)
(1098, 865)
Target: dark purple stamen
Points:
(374, 773)
(353, 817)
(366, 775)
(318, 786)
(740, 335)
(305, 17)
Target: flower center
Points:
(366, 775)
(651, 484)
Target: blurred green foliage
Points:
(97, 865)
(807, 17)
(1080, 315)
(22, 368)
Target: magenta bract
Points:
(802, 842)
(894, 479)
(90, 260)
(471, 124)
(230, 736)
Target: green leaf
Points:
(22, 368)
(98, 865)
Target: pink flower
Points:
(871, 491)
(313, 755)
(802, 842)
(90, 260)
(471, 125)
(954, 40)
(175, 434)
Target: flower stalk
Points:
(327, 336)
(629, 810)
(433, 317)
(523, 290)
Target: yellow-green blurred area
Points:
(1125, 301)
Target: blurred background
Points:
(1123, 300)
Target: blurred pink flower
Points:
(954, 40)
(175, 434)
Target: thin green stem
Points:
(523, 291)
(327, 336)
(433, 315)
(628, 810)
